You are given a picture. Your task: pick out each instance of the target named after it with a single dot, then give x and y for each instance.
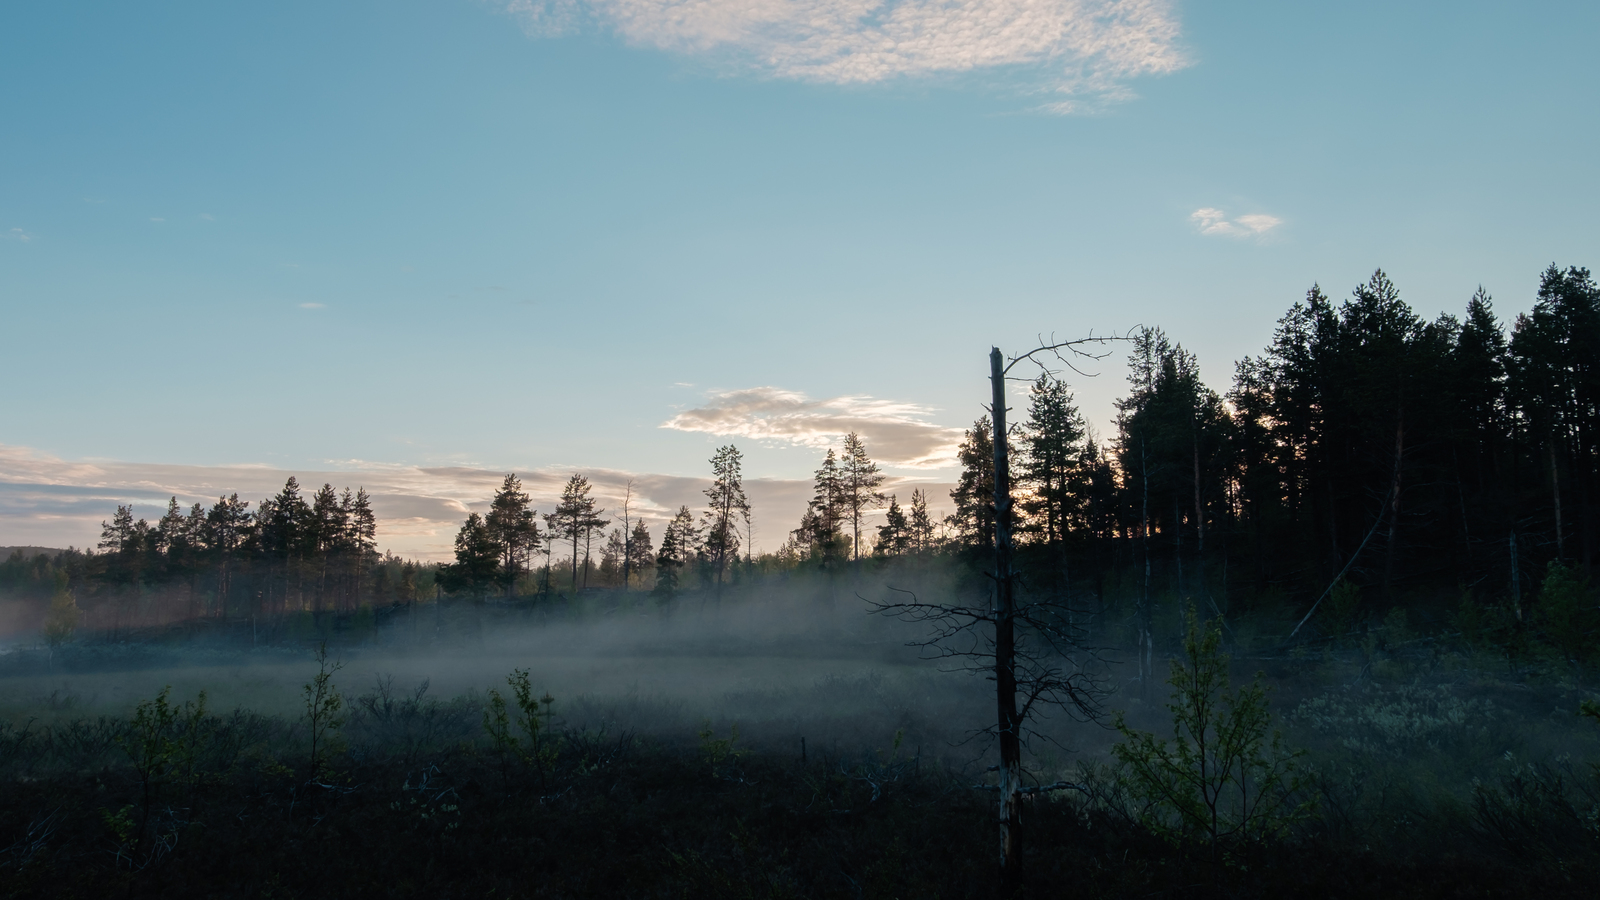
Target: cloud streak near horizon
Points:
(896, 434)
(51, 502)
(1078, 49)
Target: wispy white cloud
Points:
(1215, 222)
(207, 217)
(897, 434)
(313, 306)
(1081, 49)
(18, 234)
(157, 219)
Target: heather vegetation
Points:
(1332, 631)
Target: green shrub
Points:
(537, 744)
(1225, 777)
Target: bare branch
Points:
(1068, 353)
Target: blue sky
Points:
(367, 238)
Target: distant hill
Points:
(27, 552)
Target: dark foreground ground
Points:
(1429, 770)
(620, 816)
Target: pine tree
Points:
(575, 519)
(477, 565)
(513, 526)
(819, 529)
(859, 480)
(894, 535)
(362, 533)
(611, 557)
(1050, 462)
(169, 528)
(920, 527)
(190, 560)
(227, 530)
(678, 543)
(973, 518)
(327, 535)
(1172, 435)
(728, 507)
(124, 541)
(281, 530)
(639, 548)
(1555, 386)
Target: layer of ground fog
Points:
(769, 747)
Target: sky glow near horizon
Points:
(415, 245)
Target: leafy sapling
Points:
(536, 745)
(1226, 776)
(324, 711)
(719, 751)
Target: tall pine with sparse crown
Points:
(859, 480)
(728, 507)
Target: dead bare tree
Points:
(1033, 650)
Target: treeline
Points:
(506, 550)
(1406, 456)
(288, 555)
(1411, 456)
(1433, 465)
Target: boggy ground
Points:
(1433, 772)
(415, 801)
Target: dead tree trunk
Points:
(1028, 655)
(1008, 726)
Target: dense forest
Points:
(1446, 467)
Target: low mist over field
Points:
(781, 663)
(1310, 619)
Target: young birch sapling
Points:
(536, 745)
(1225, 776)
(324, 711)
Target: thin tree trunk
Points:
(627, 537)
(1394, 500)
(1177, 543)
(588, 535)
(1146, 651)
(1005, 676)
(1199, 509)
(1199, 521)
(1516, 578)
(1461, 499)
(1555, 489)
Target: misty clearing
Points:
(1331, 632)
